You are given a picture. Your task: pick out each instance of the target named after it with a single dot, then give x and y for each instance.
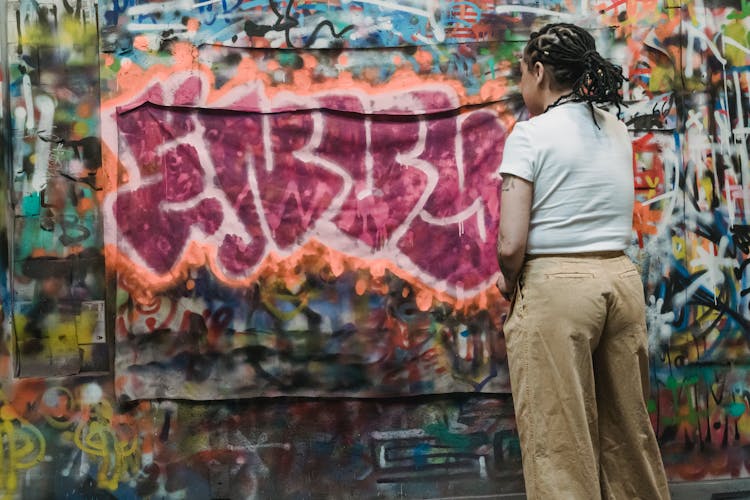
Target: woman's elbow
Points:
(508, 250)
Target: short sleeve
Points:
(518, 154)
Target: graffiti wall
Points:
(249, 245)
(56, 292)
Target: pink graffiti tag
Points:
(374, 178)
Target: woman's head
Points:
(565, 56)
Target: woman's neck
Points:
(553, 98)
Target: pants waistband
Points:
(605, 254)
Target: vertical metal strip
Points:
(6, 222)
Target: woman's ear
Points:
(538, 72)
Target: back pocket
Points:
(629, 273)
(570, 275)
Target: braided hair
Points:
(570, 52)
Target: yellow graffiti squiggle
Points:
(97, 438)
(25, 447)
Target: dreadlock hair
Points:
(570, 52)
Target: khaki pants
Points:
(578, 357)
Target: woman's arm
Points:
(515, 213)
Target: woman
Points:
(576, 333)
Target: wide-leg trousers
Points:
(578, 357)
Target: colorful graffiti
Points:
(68, 438)
(223, 200)
(57, 273)
(311, 25)
(369, 176)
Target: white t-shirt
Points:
(582, 175)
